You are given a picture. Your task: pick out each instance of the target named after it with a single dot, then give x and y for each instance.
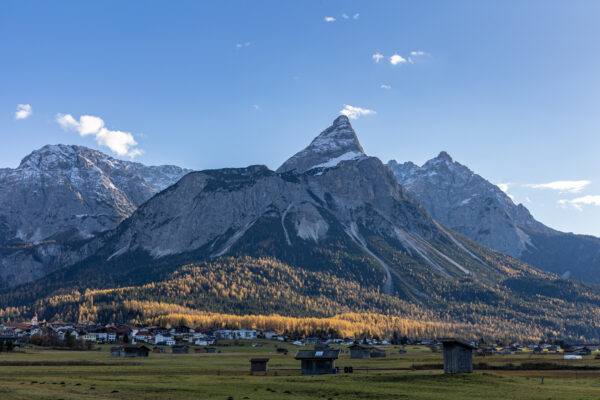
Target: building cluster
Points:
(111, 333)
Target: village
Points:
(140, 341)
(89, 360)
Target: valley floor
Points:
(226, 376)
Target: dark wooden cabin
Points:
(258, 365)
(458, 356)
(180, 349)
(317, 362)
(366, 351)
(130, 350)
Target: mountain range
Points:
(60, 195)
(330, 231)
(478, 209)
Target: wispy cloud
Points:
(383, 86)
(240, 45)
(414, 55)
(329, 19)
(377, 57)
(256, 106)
(397, 59)
(562, 186)
(121, 143)
(346, 16)
(355, 112)
(579, 202)
(23, 111)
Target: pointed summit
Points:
(444, 156)
(335, 144)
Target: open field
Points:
(226, 375)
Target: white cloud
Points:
(383, 86)
(562, 186)
(579, 202)
(503, 186)
(527, 199)
(240, 45)
(329, 19)
(256, 106)
(377, 57)
(23, 111)
(121, 143)
(356, 16)
(397, 59)
(355, 112)
(345, 16)
(414, 55)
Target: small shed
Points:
(180, 349)
(366, 351)
(135, 350)
(458, 356)
(115, 351)
(258, 365)
(317, 362)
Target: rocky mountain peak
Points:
(444, 156)
(335, 144)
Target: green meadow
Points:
(36, 373)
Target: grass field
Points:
(226, 375)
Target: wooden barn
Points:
(258, 365)
(115, 351)
(317, 362)
(458, 356)
(180, 349)
(366, 351)
(130, 350)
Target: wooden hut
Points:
(366, 351)
(317, 362)
(258, 365)
(458, 356)
(135, 350)
(115, 351)
(180, 349)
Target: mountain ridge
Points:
(469, 204)
(344, 235)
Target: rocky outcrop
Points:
(61, 194)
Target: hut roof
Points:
(317, 354)
(462, 343)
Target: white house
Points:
(166, 339)
(245, 334)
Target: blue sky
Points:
(510, 89)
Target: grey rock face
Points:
(211, 211)
(74, 192)
(467, 203)
(335, 144)
(60, 195)
(215, 208)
